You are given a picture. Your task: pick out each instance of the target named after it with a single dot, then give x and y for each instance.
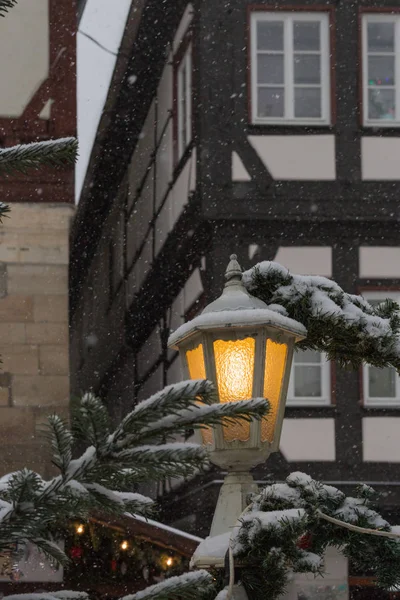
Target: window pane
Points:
(307, 103)
(270, 35)
(307, 68)
(307, 356)
(382, 382)
(381, 104)
(271, 102)
(307, 382)
(270, 68)
(306, 35)
(380, 37)
(381, 70)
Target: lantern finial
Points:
(233, 273)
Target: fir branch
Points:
(199, 416)
(344, 326)
(61, 152)
(61, 442)
(165, 403)
(5, 6)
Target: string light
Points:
(80, 529)
(124, 545)
(169, 562)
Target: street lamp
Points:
(246, 349)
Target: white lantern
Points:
(246, 350)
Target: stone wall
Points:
(34, 374)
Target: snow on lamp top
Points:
(236, 307)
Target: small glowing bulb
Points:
(169, 562)
(124, 545)
(80, 529)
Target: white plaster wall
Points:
(381, 440)
(141, 157)
(165, 96)
(150, 352)
(308, 439)
(380, 158)
(306, 260)
(153, 384)
(143, 264)
(300, 157)
(192, 290)
(24, 51)
(174, 373)
(183, 27)
(140, 218)
(379, 261)
(239, 171)
(185, 184)
(164, 164)
(163, 228)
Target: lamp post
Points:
(246, 349)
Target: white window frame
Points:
(377, 402)
(380, 18)
(324, 399)
(184, 121)
(288, 18)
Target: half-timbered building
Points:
(271, 130)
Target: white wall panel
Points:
(174, 373)
(142, 154)
(140, 218)
(381, 440)
(165, 96)
(301, 157)
(239, 171)
(192, 290)
(380, 158)
(306, 260)
(164, 164)
(143, 264)
(308, 439)
(163, 227)
(379, 261)
(185, 184)
(183, 27)
(24, 48)
(149, 352)
(153, 385)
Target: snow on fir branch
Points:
(61, 152)
(5, 6)
(114, 462)
(344, 326)
(284, 532)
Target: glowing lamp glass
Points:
(234, 363)
(275, 364)
(197, 370)
(195, 361)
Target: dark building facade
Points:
(271, 130)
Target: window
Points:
(381, 387)
(381, 69)
(290, 68)
(309, 382)
(184, 102)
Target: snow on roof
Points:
(178, 532)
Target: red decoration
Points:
(76, 552)
(113, 565)
(305, 541)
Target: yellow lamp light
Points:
(246, 350)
